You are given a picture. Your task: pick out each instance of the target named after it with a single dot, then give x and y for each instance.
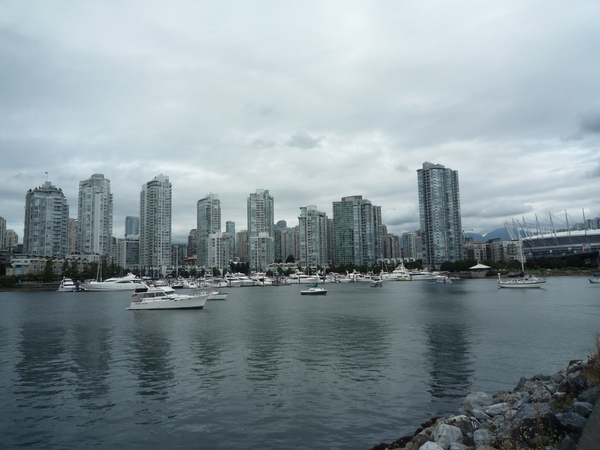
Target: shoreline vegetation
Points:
(546, 412)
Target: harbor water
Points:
(269, 368)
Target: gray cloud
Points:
(303, 140)
(210, 95)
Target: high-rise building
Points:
(219, 250)
(129, 253)
(2, 232)
(242, 240)
(230, 228)
(411, 245)
(261, 248)
(290, 243)
(208, 222)
(155, 226)
(132, 226)
(46, 222)
(11, 240)
(178, 254)
(358, 233)
(313, 237)
(72, 237)
(439, 213)
(192, 239)
(94, 216)
(391, 247)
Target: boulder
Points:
(482, 437)
(430, 446)
(444, 435)
(464, 423)
(534, 418)
(571, 422)
(583, 408)
(498, 408)
(477, 400)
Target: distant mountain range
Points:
(497, 233)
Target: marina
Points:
(266, 368)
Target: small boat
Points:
(528, 281)
(442, 279)
(313, 290)
(594, 278)
(67, 285)
(377, 283)
(216, 295)
(165, 297)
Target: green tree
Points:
(48, 274)
(290, 259)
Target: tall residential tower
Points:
(439, 212)
(208, 222)
(94, 216)
(155, 226)
(46, 222)
(261, 248)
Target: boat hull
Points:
(194, 303)
(520, 284)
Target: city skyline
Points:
(312, 101)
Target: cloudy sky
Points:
(311, 100)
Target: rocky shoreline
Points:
(542, 412)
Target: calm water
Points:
(271, 369)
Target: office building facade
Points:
(439, 214)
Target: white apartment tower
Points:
(208, 222)
(261, 248)
(46, 222)
(439, 212)
(155, 226)
(312, 237)
(94, 216)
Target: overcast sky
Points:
(312, 100)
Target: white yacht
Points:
(129, 282)
(67, 285)
(400, 273)
(165, 297)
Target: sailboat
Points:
(522, 282)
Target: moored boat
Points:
(127, 283)
(165, 297)
(528, 281)
(67, 285)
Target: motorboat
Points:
(67, 285)
(216, 295)
(528, 281)
(300, 278)
(313, 291)
(443, 279)
(594, 278)
(425, 275)
(377, 283)
(129, 282)
(165, 297)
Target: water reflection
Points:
(153, 365)
(41, 369)
(447, 326)
(91, 356)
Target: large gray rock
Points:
(477, 400)
(583, 408)
(534, 418)
(498, 408)
(571, 422)
(482, 437)
(457, 446)
(430, 446)
(464, 423)
(444, 435)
